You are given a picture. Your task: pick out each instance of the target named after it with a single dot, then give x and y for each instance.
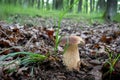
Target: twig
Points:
(4, 33)
(9, 48)
(27, 44)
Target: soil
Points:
(39, 38)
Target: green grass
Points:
(7, 10)
(112, 60)
(27, 59)
(117, 17)
(91, 18)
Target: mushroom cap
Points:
(71, 40)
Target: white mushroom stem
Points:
(71, 57)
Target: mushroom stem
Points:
(71, 57)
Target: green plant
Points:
(7, 12)
(28, 58)
(112, 60)
(62, 14)
(116, 17)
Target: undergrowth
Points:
(32, 57)
(10, 10)
(112, 60)
(27, 59)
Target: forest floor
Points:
(102, 42)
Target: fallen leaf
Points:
(5, 52)
(5, 43)
(50, 33)
(106, 39)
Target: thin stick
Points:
(27, 44)
(4, 33)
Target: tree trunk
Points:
(32, 3)
(26, 3)
(101, 5)
(47, 5)
(71, 5)
(8, 1)
(58, 4)
(53, 4)
(20, 2)
(38, 4)
(91, 5)
(42, 4)
(80, 6)
(86, 6)
(66, 4)
(111, 10)
(14, 2)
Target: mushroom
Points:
(71, 56)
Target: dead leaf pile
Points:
(98, 37)
(16, 38)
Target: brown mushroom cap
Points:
(71, 40)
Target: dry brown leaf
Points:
(106, 39)
(5, 52)
(5, 43)
(13, 39)
(50, 33)
(96, 46)
(16, 30)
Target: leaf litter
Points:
(40, 39)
